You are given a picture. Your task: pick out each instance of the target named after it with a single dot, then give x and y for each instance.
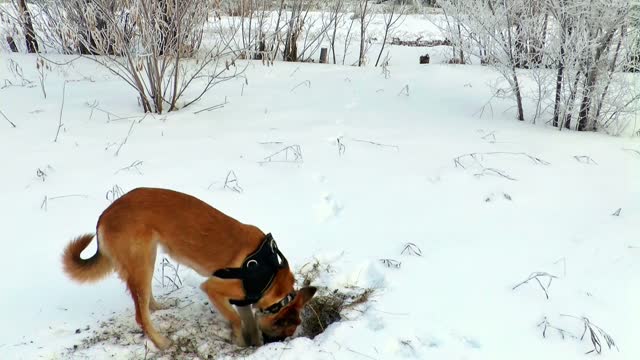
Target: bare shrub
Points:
(154, 46)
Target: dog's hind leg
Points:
(140, 294)
(139, 273)
(153, 303)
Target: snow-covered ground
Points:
(382, 162)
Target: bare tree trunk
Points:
(559, 80)
(363, 30)
(516, 84)
(560, 76)
(590, 80)
(27, 25)
(347, 41)
(336, 16)
(566, 120)
(461, 51)
(612, 68)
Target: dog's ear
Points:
(304, 295)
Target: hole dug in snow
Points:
(328, 306)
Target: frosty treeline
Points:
(161, 48)
(581, 53)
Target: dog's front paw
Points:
(252, 337)
(238, 337)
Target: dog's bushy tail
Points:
(85, 270)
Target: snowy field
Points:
(401, 184)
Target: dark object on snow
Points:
(324, 54)
(12, 44)
(323, 310)
(424, 59)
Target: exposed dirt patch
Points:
(197, 330)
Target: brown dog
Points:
(244, 267)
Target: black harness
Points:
(257, 272)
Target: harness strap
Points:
(257, 272)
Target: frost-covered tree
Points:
(583, 41)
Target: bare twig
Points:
(585, 159)
(490, 137)
(493, 171)
(231, 182)
(341, 147)
(478, 157)
(377, 144)
(536, 276)
(114, 193)
(595, 335)
(390, 263)
(124, 141)
(214, 107)
(545, 324)
(45, 202)
(411, 249)
(134, 166)
(6, 118)
(176, 281)
(292, 154)
(306, 82)
(64, 86)
(404, 91)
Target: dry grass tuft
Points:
(327, 306)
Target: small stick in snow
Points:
(562, 260)
(45, 202)
(490, 137)
(214, 107)
(271, 143)
(231, 182)
(378, 144)
(6, 118)
(64, 86)
(411, 249)
(114, 193)
(292, 154)
(617, 212)
(390, 263)
(341, 147)
(306, 82)
(585, 159)
(404, 91)
(536, 276)
(633, 151)
(135, 166)
(478, 157)
(127, 137)
(486, 171)
(545, 324)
